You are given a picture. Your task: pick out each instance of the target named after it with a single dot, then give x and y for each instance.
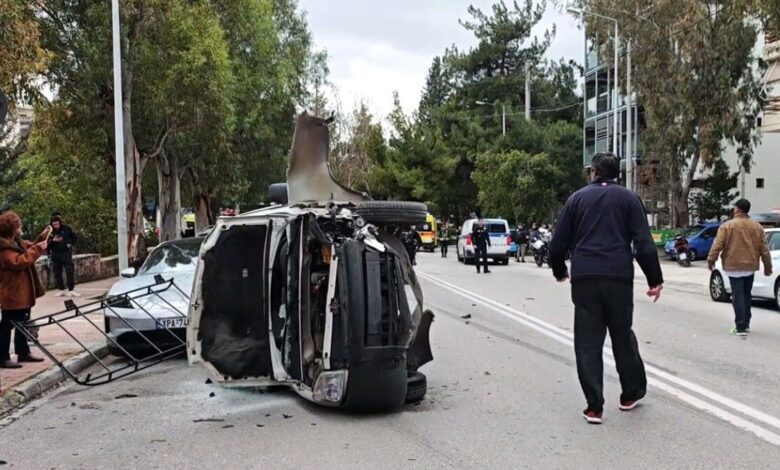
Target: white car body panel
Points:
(498, 245)
(763, 286)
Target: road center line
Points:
(656, 376)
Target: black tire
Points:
(505, 261)
(692, 255)
(777, 294)
(539, 260)
(718, 288)
(392, 212)
(416, 386)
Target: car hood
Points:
(309, 178)
(159, 305)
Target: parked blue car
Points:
(700, 238)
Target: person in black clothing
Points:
(481, 239)
(444, 239)
(409, 240)
(521, 240)
(61, 241)
(604, 226)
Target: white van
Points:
(500, 241)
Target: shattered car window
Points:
(172, 258)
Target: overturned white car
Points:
(316, 292)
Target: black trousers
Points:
(480, 256)
(443, 249)
(602, 305)
(741, 299)
(60, 262)
(20, 341)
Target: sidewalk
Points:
(57, 340)
(694, 279)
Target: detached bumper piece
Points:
(82, 324)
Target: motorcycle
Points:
(540, 244)
(682, 251)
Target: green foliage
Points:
(433, 155)
(717, 193)
(214, 86)
(517, 185)
(708, 93)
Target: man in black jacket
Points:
(61, 241)
(481, 240)
(605, 227)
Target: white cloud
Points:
(377, 47)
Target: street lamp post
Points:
(628, 150)
(119, 141)
(503, 114)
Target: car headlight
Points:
(119, 301)
(330, 387)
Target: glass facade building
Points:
(600, 100)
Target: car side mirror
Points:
(128, 272)
(277, 193)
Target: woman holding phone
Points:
(19, 287)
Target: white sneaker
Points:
(73, 293)
(62, 293)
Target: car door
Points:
(705, 240)
(763, 286)
(228, 330)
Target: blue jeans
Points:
(741, 299)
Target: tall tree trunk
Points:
(201, 202)
(169, 185)
(134, 170)
(204, 216)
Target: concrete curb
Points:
(36, 386)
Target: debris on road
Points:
(286, 416)
(208, 381)
(208, 420)
(212, 395)
(466, 316)
(125, 395)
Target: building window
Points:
(760, 183)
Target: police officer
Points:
(481, 239)
(605, 227)
(444, 238)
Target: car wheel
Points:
(505, 261)
(718, 288)
(692, 255)
(457, 252)
(777, 293)
(416, 386)
(392, 212)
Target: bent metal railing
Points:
(147, 348)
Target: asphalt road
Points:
(503, 394)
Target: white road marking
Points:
(656, 376)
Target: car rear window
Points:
(496, 228)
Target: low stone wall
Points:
(88, 268)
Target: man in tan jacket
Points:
(741, 243)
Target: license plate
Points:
(176, 322)
(683, 256)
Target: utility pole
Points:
(119, 142)
(629, 125)
(615, 96)
(527, 92)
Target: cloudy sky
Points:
(377, 46)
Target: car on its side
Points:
(315, 293)
(764, 287)
(700, 238)
(132, 323)
(500, 249)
